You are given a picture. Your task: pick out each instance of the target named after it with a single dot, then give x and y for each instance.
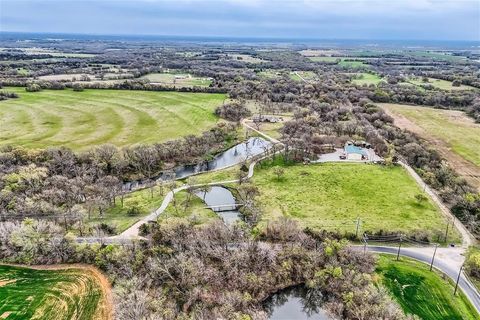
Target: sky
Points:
(301, 19)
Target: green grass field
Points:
(421, 292)
(332, 196)
(454, 128)
(440, 84)
(367, 78)
(298, 75)
(177, 79)
(355, 64)
(194, 212)
(49, 294)
(80, 120)
(326, 59)
(118, 216)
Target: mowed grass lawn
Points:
(440, 84)
(367, 78)
(332, 196)
(455, 128)
(49, 294)
(145, 201)
(80, 120)
(421, 292)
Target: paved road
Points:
(445, 261)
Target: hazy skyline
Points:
(321, 19)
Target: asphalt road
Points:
(465, 285)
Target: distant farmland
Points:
(453, 133)
(177, 79)
(83, 119)
(27, 293)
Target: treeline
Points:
(124, 85)
(412, 95)
(213, 272)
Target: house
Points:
(355, 153)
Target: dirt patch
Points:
(464, 168)
(105, 307)
(5, 282)
(5, 315)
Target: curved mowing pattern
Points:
(80, 120)
(49, 294)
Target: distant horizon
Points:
(237, 39)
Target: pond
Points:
(222, 201)
(296, 303)
(235, 155)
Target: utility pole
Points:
(458, 279)
(358, 226)
(433, 258)
(399, 247)
(446, 231)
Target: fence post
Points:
(399, 247)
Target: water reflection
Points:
(235, 155)
(232, 156)
(296, 303)
(222, 202)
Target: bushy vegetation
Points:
(234, 111)
(472, 264)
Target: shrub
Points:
(33, 87)
(234, 111)
(133, 211)
(472, 263)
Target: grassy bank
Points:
(427, 294)
(80, 120)
(195, 211)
